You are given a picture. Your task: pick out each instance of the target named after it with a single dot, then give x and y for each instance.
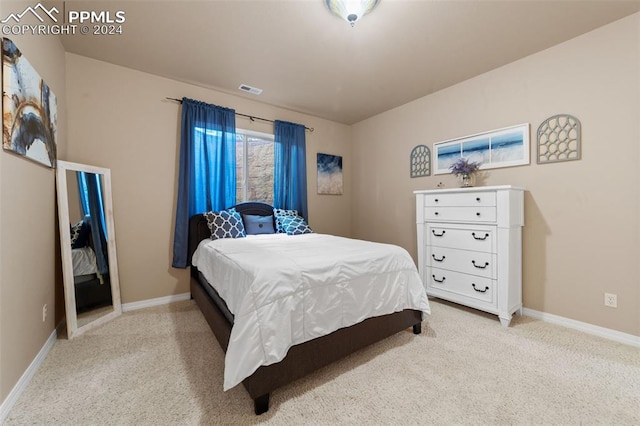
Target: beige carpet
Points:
(162, 366)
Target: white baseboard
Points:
(607, 333)
(17, 390)
(155, 302)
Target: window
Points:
(254, 166)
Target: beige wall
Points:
(581, 237)
(29, 251)
(119, 118)
(582, 233)
(75, 208)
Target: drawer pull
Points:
(478, 266)
(435, 213)
(478, 214)
(473, 234)
(479, 291)
(438, 260)
(437, 235)
(436, 200)
(478, 199)
(439, 281)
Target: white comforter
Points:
(84, 261)
(285, 290)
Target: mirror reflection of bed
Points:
(87, 236)
(88, 246)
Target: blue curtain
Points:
(290, 174)
(90, 188)
(207, 176)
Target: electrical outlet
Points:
(44, 312)
(611, 300)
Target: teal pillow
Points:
(280, 214)
(295, 225)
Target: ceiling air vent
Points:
(249, 89)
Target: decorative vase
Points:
(466, 180)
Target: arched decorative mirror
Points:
(88, 246)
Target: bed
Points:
(92, 290)
(301, 358)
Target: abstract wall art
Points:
(29, 112)
(329, 174)
(504, 147)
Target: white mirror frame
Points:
(65, 242)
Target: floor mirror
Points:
(88, 246)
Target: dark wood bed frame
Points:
(301, 359)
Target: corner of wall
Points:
(28, 251)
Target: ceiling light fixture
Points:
(351, 10)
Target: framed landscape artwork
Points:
(29, 110)
(329, 174)
(504, 147)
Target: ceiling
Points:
(308, 60)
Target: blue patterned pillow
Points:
(80, 234)
(295, 225)
(281, 214)
(225, 224)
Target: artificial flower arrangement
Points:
(465, 169)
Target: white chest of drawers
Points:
(470, 246)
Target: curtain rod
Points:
(250, 117)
